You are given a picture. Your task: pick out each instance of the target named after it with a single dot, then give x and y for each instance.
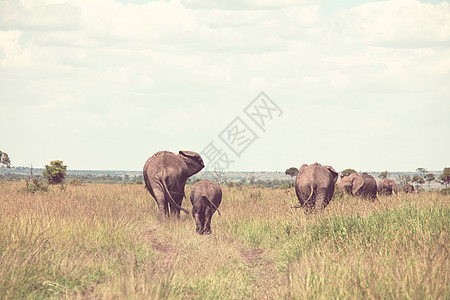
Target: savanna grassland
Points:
(104, 242)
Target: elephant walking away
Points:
(314, 185)
(165, 175)
(206, 196)
(387, 187)
(359, 185)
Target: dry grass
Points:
(103, 241)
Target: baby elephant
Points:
(206, 196)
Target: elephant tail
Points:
(171, 199)
(311, 194)
(213, 205)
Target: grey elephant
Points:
(387, 187)
(314, 185)
(359, 185)
(206, 196)
(408, 188)
(165, 175)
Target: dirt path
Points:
(267, 279)
(167, 254)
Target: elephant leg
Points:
(174, 210)
(199, 216)
(321, 200)
(163, 209)
(208, 216)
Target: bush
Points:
(445, 191)
(138, 182)
(34, 185)
(231, 184)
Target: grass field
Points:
(104, 242)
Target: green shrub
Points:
(34, 185)
(445, 191)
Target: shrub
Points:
(34, 185)
(445, 191)
(285, 186)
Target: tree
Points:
(383, 175)
(421, 171)
(429, 177)
(56, 172)
(418, 180)
(4, 160)
(445, 176)
(291, 171)
(404, 179)
(347, 172)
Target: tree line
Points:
(55, 173)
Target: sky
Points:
(250, 85)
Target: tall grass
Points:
(103, 241)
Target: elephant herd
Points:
(166, 173)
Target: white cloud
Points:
(38, 15)
(244, 4)
(400, 23)
(12, 55)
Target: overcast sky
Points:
(105, 84)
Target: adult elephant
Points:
(359, 185)
(387, 187)
(314, 185)
(165, 175)
(408, 188)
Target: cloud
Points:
(38, 16)
(403, 23)
(12, 55)
(244, 4)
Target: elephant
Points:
(314, 185)
(359, 184)
(206, 196)
(387, 187)
(165, 175)
(408, 188)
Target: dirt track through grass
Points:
(103, 241)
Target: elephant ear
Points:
(193, 155)
(358, 182)
(333, 172)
